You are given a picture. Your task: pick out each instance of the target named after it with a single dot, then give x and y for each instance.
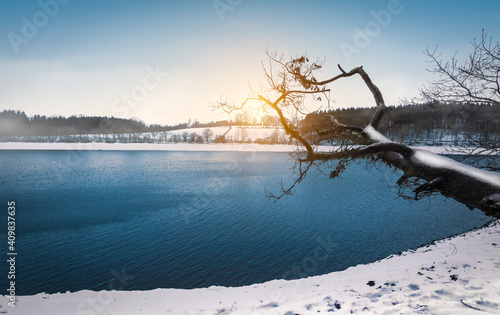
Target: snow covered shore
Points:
(172, 147)
(458, 275)
(146, 146)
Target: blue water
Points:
(138, 220)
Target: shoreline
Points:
(245, 147)
(459, 274)
(193, 147)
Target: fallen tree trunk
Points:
(424, 171)
(474, 187)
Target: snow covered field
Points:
(172, 147)
(235, 134)
(459, 275)
(146, 146)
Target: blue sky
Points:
(165, 61)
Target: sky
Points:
(164, 62)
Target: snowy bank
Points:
(146, 146)
(458, 275)
(244, 147)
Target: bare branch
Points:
(477, 79)
(295, 80)
(376, 148)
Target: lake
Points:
(140, 220)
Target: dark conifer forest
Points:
(431, 124)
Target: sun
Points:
(257, 113)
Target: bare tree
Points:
(194, 137)
(476, 79)
(291, 83)
(269, 121)
(164, 136)
(277, 137)
(176, 138)
(185, 136)
(243, 119)
(207, 134)
(245, 135)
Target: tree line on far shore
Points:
(17, 123)
(429, 123)
(432, 124)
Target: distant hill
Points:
(17, 123)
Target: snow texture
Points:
(439, 162)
